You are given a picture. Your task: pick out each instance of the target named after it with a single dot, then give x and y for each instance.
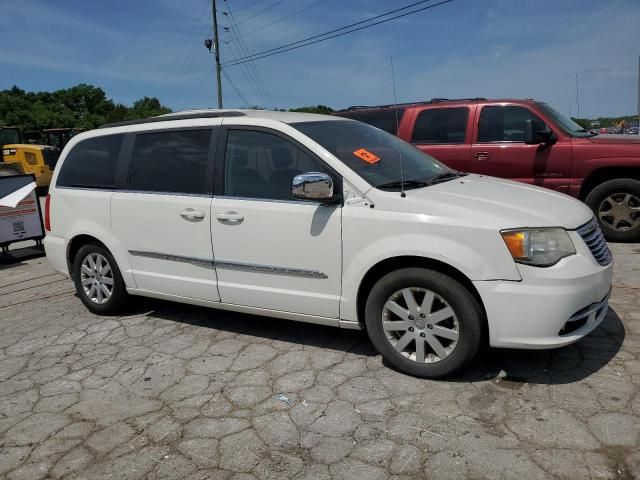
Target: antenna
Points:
(395, 104)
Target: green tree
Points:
(317, 109)
(583, 122)
(81, 106)
(146, 107)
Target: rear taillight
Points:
(47, 214)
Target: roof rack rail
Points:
(178, 116)
(423, 102)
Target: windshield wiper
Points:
(407, 184)
(443, 177)
(416, 183)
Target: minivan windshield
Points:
(569, 126)
(376, 155)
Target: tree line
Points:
(82, 106)
(605, 121)
(86, 106)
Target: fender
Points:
(95, 230)
(360, 256)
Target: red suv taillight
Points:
(47, 214)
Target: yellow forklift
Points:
(59, 137)
(24, 158)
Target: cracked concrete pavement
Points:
(172, 391)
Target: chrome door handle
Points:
(230, 217)
(482, 156)
(191, 214)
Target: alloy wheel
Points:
(96, 277)
(420, 325)
(620, 211)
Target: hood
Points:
(490, 203)
(618, 139)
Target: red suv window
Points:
(441, 125)
(504, 123)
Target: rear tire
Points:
(98, 281)
(423, 322)
(616, 205)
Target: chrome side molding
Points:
(247, 267)
(253, 267)
(202, 262)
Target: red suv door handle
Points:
(482, 155)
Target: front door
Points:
(499, 149)
(162, 215)
(272, 251)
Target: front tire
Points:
(616, 205)
(98, 281)
(423, 322)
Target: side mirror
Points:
(313, 186)
(537, 136)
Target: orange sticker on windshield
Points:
(366, 155)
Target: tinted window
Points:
(505, 124)
(441, 125)
(174, 161)
(91, 163)
(262, 165)
(383, 119)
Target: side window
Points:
(91, 163)
(262, 165)
(383, 119)
(171, 161)
(441, 125)
(504, 124)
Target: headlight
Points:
(541, 247)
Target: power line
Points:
(305, 42)
(185, 80)
(246, 34)
(248, 5)
(250, 66)
(243, 47)
(203, 81)
(235, 88)
(260, 12)
(182, 50)
(247, 73)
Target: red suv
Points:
(527, 141)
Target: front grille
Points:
(51, 155)
(593, 237)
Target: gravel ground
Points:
(173, 391)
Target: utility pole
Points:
(577, 95)
(639, 95)
(216, 50)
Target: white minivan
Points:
(325, 220)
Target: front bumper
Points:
(551, 307)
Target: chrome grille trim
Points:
(594, 239)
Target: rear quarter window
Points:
(91, 163)
(383, 119)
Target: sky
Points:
(464, 48)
